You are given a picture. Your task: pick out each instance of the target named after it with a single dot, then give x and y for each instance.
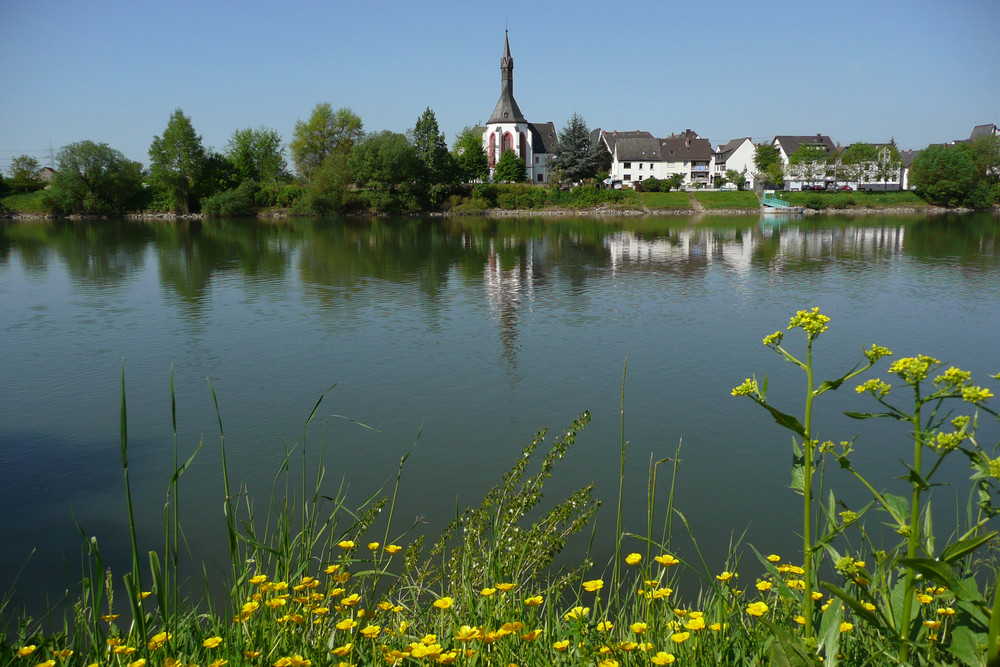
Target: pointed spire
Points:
(506, 109)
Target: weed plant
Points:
(313, 582)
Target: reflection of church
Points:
(507, 129)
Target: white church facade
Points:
(507, 129)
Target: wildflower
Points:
(258, 579)
(774, 339)
(212, 642)
(274, 603)
(346, 544)
(145, 594)
(532, 636)
(330, 569)
(607, 662)
(816, 595)
(748, 388)
(593, 585)
(764, 586)
(486, 592)
(696, 623)
(371, 631)
(757, 609)
(633, 559)
(393, 548)
(680, 637)
(797, 584)
(662, 658)
(773, 558)
(577, 613)
(726, 576)
(933, 625)
(923, 598)
(320, 611)
(52, 663)
(666, 560)
(876, 353)
(351, 600)
(662, 593)
(638, 628)
(443, 603)
(109, 617)
(64, 653)
(346, 624)
(975, 395)
(811, 321)
(846, 627)
(715, 627)
(534, 601)
(505, 587)
(373, 546)
(946, 611)
(251, 655)
(219, 662)
(801, 620)
(913, 369)
(341, 651)
(681, 612)
(605, 626)
(467, 634)
(868, 606)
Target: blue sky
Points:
(112, 71)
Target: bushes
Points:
(236, 202)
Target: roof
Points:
(906, 157)
(507, 110)
(983, 131)
(614, 140)
(723, 152)
(790, 144)
(683, 147)
(543, 137)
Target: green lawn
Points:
(723, 200)
(672, 200)
(25, 202)
(847, 200)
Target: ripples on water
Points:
(476, 333)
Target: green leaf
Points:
(968, 646)
(829, 632)
(835, 384)
(956, 550)
(788, 421)
(898, 507)
(993, 639)
(855, 605)
(935, 570)
(870, 415)
(786, 649)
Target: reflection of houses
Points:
(507, 129)
(638, 155)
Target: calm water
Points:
(475, 333)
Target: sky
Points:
(112, 71)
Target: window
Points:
(627, 177)
(541, 178)
(640, 165)
(537, 159)
(627, 165)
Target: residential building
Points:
(989, 130)
(507, 129)
(737, 155)
(638, 155)
(810, 172)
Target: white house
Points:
(638, 155)
(809, 173)
(738, 156)
(507, 129)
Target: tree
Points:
(23, 172)
(387, 165)
(327, 191)
(94, 178)
(257, 155)
(575, 158)
(470, 156)
(767, 159)
(438, 167)
(808, 163)
(510, 168)
(947, 176)
(674, 182)
(176, 161)
(326, 131)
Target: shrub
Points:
(238, 201)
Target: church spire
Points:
(507, 110)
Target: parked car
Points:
(806, 188)
(846, 188)
(728, 187)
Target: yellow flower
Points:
(258, 579)
(486, 592)
(757, 609)
(218, 663)
(393, 548)
(801, 620)
(141, 662)
(715, 627)
(607, 662)
(67, 652)
(868, 605)
(351, 600)
(662, 593)
(773, 558)
(593, 585)
(947, 611)
(52, 663)
(666, 560)
(627, 646)
(633, 559)
(505, 587)
(605, 626)
(341, 651)
(725, 576)
(212, 642)
(320, 611)
(531, 636)
(846, 627)
(697, 623)
(561, 645)
(373, 546)
(764, 586)
(812, 322)
(443, 603)
(346, 544)
(534, 601)
(251, 655)
(26, 650)
(925, 599)
(371, 631)
(109, 617)
(797, 583)
(933, 625)
(467, 634)
(662, 658)
(638, 628)
(680, 637)
(346, 624)
(576, 613)
(816, 595)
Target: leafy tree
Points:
(23, 172)
(438, 166)
(985, 154)
(869, 163)
(387, 165)
(327, 192)
(94, 178)
(470, 156)
(767, 159)
(575, 158)
(674, 182)
(257, 155)
(510, 168)
(808, 163)
(326, 131)
(737, 178)
(948, 176)
(177, 159)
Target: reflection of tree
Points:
(972, 240)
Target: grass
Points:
(666, 200)
(25, 202)
(848, 200)
(727, 200)
(313, 582)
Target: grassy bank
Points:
(314, 583)
(847, 200)
(727, 200)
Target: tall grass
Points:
(315, 582)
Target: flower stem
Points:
(807, 497)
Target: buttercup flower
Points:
(757, 609)
(393, 548)
(346, 544)
(846, 627)
(212, 642)
(638, 628)
(561, 645)
(593, 585)
(680, 637)
(633, 559)
(534, 601)
(662, 658)
(666, 560)
(443, 603)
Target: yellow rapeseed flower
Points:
(593, 585)
(212, 642)
(633, 559)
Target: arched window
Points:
(493, 149)
(508, 143)
(524, 149)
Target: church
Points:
(507, 129)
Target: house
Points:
(45, 174)
(807, 172)
(638, 155)
(882, 171)
(989, 130)
(905, 161)
(507, 129)
(737, 155)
